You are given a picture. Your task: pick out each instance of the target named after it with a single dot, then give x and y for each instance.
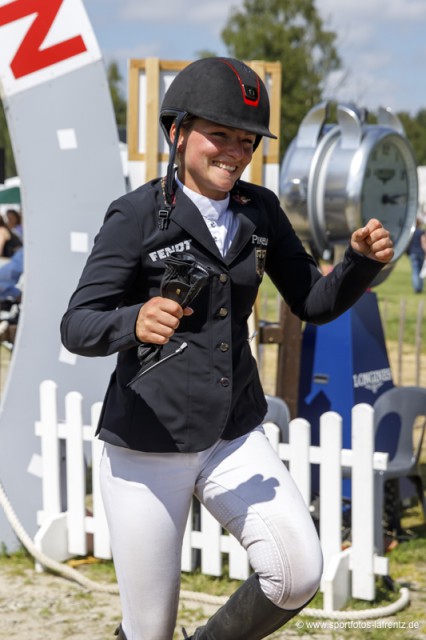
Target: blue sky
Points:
(382, 43)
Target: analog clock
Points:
(334, 178)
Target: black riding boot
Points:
(247, 615)
(119, 633)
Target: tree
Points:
(415, 129)
(291, 32)
(115, 80)
(205, 53)
(5, 144)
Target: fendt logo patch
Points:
(42, 39)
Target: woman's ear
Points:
(172, 135)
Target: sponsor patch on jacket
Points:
(259, 240)
(260, 261)
(260, 253)
(164, 252)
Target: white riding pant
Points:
(245, 486)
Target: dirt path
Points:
(41, 606)
(44, 607)
(36, 606)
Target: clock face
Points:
(389, 185)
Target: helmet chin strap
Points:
(172, 156)
(168, 193)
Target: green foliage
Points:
(291, 32)
(205, 53)
(5, 143)
(415, 129)
(115, 80)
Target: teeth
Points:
(227, 167)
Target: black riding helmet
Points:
(223, 90)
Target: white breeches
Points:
(246, 487)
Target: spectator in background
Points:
(10, 275)
(9, 241)
(14, 222)
(11, 284)
(416, 251)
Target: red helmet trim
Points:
(246, 98)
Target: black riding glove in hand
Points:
(182, 280)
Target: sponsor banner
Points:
(41, 40)
(372, 380)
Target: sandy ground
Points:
(41, 606)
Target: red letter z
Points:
(30, 57)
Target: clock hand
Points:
(395, 199)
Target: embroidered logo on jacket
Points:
(240, 198)
(162, 253)
(260, 253)
(260, 261)
(259, 240)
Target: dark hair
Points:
(15, 213)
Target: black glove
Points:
(182, 281)
(183, 278)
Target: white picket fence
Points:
(68, 450)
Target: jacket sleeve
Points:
(96, 323)
(314, 297)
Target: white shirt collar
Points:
(209, 208)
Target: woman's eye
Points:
(223, 136)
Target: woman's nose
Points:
(236, 148)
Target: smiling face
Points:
(212, 157)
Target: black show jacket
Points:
(210, 390)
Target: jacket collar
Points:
(187, 216)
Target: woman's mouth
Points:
(231, 168)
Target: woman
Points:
(9, 241)
(14, 222)
(190, 424)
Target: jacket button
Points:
(224, 346)
(223, 312)
(223, 278)
(224, 382)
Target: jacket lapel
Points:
(188, 217)
(248, 217)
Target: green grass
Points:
(392, 293)
(212, 585)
